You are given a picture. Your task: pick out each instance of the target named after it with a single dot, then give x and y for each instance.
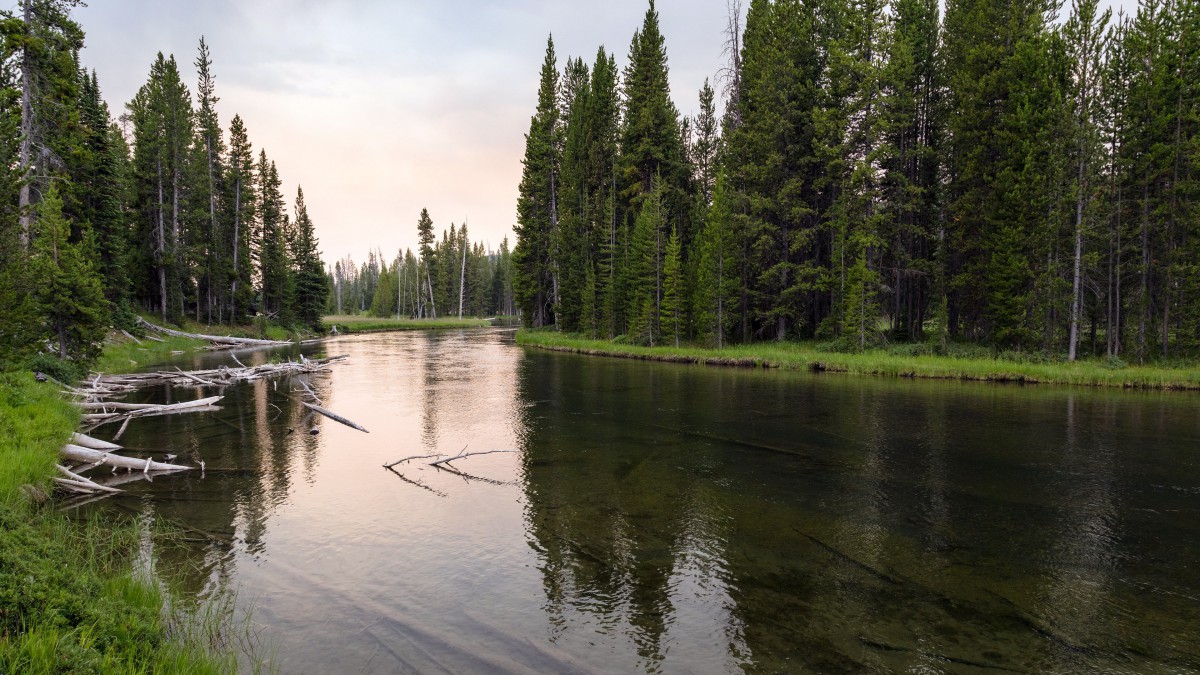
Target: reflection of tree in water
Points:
(252, 448)
(612, 517)
(846, 524)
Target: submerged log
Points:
(220, 339)
(84, 455)
(75, 480)
(333, 416)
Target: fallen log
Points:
(113, 385)
(85, 441)
(150, 410)
(73, 479)
(83, 455)
(106, 406)
(220, 339)
(333, 416)
(80, 486)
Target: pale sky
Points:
(379, 108)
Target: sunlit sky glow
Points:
(379, 108)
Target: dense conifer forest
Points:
(1021, 175)
(159, 209)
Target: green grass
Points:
(71, 599)
(363, 324)
(805, 356)
(122, 355)
(34, 424)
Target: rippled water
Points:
(669, 518)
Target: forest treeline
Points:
(450, 277)
(1016, 174)
(157, 210)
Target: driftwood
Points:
(465, 454)
(101, 386)
(83, 455)
(126, 334)
(442, 462)
(93, 443)
(109, 406)
(75, 480)
(219, 339)
(126, 414)
(333, 416)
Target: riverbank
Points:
(800, 356)
(368, 324)
(71, 597)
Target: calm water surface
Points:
(668, 518)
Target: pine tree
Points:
(215, 263)
(425, 239)
(773, 166)
(69, 290)
(240, 204)
(161, 115)
(537, 205)
(307, 269)
(271, 242)
(1085, 35)
(717, 279)
(673, 310)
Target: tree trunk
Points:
(1076, 285)
(26, 149)
(162, 246)
(237, 215)
(462, 280)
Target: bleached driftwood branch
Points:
(83, 455)
(219, 339)
(333, 416)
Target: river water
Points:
(671, 518)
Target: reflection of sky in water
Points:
(673, 518)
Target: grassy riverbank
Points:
(364, 324)
(796, 356)
(70, 598)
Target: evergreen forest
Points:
(1021, 175)
(159, 210)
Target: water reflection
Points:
(775, 522)
(662, 518)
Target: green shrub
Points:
(67, 372)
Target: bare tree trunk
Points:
(26, 149)
(429, 285)
(162, 246)
(212, 214)
(462, 280)
(1076, 285)
(237, 215)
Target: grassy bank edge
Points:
(72, 598)
(794, 356)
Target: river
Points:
(671, 518)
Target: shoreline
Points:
(796, 356)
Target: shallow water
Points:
(671, 518)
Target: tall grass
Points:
(808, 356)
(34, 423)
(71, 595)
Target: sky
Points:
(379, 108)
